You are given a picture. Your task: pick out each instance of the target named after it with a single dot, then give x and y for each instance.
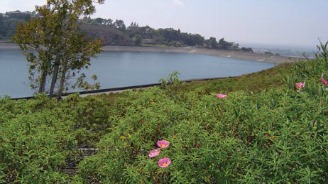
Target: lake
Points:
(122, 69)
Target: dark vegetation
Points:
(115, 32)
(264, 131)
(9, 22)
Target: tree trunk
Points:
(43, 79)
(62, 81)
(43, 82)
(54, 77)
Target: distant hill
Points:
(117, 33)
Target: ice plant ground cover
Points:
(265, 134)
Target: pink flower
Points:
(299, 85)
(153, 153)
(221, 95)
(164, 162)
(163, 143)
(324, 81)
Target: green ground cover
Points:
(266, 130)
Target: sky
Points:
(270, 22)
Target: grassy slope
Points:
(238, 139)
(255, 82)
(270, 78)
(253, 130)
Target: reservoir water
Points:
(121, 69)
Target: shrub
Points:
(33, 146)
(270, 136)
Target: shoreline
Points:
(188, 50)
(182, 50)
(211, 52)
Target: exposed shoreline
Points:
(189, 50)
(212, 52)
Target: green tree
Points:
(212, 43)
(137, 40)
(54, 45)
(225, 45)
(19, 15)
(2, 30)
(119, 24)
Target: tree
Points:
(246, 49)
(137, 40)
(225, 45)
(19, 15)
(119, 24)
(212, 43)
(2, 30)
(54, 45)
(108, 22)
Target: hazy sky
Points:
(280, 22)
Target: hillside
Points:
(116, 33)
(268, 127)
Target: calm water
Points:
(121, 69)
